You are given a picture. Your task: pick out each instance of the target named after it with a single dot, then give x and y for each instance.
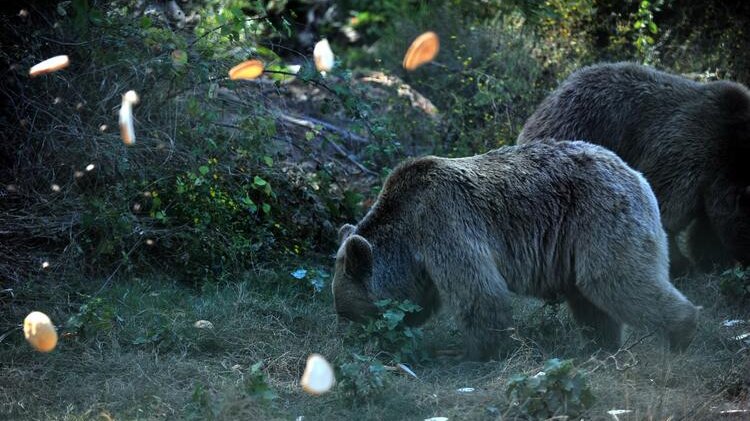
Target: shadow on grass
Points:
(139, 356)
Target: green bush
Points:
(362, 379)
(205, 190)
(474, 81)
(735, 285)
(559, 389)
(256, 383)
(390, 333)
(217, 181)
(94, 315)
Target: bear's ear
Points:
(345, 231)
(357, 257)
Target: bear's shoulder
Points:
(611, 75)
(554, 149)
(733, 99)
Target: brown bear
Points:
(691, 140)
(549, 220)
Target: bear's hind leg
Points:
(605, 331)
(643, 300)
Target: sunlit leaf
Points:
(247, 70)
(50, 65)
(422, 50)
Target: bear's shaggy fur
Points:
(691, 141)
(549, 220)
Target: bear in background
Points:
(548, 220)
(690, 140)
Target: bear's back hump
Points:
(619, 105)
(623, 106)
(526, 182)
(543, 166)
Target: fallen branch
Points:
(416, 99)
(312, 123)
(626, 350)
(304, 121)
(339, 148)
(403, 369)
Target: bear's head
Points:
(352, 297)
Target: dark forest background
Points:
(221, 177)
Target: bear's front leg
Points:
(486, 325)
(480, 298)
(598, 326)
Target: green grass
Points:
(138, 356)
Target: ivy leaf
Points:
(145, 22)
(383, 303)
(393, 317)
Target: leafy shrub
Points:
(389, 331)
(559, 389)
(474, 81)
(256, 383)
(209, 188)
(221, 219)
(205, 192)
(94, 315)
(364, 378)
(200, 405)
(314, 279)
(735, 284)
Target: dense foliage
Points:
(230, 175)
(390, 332)
(558, 390)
